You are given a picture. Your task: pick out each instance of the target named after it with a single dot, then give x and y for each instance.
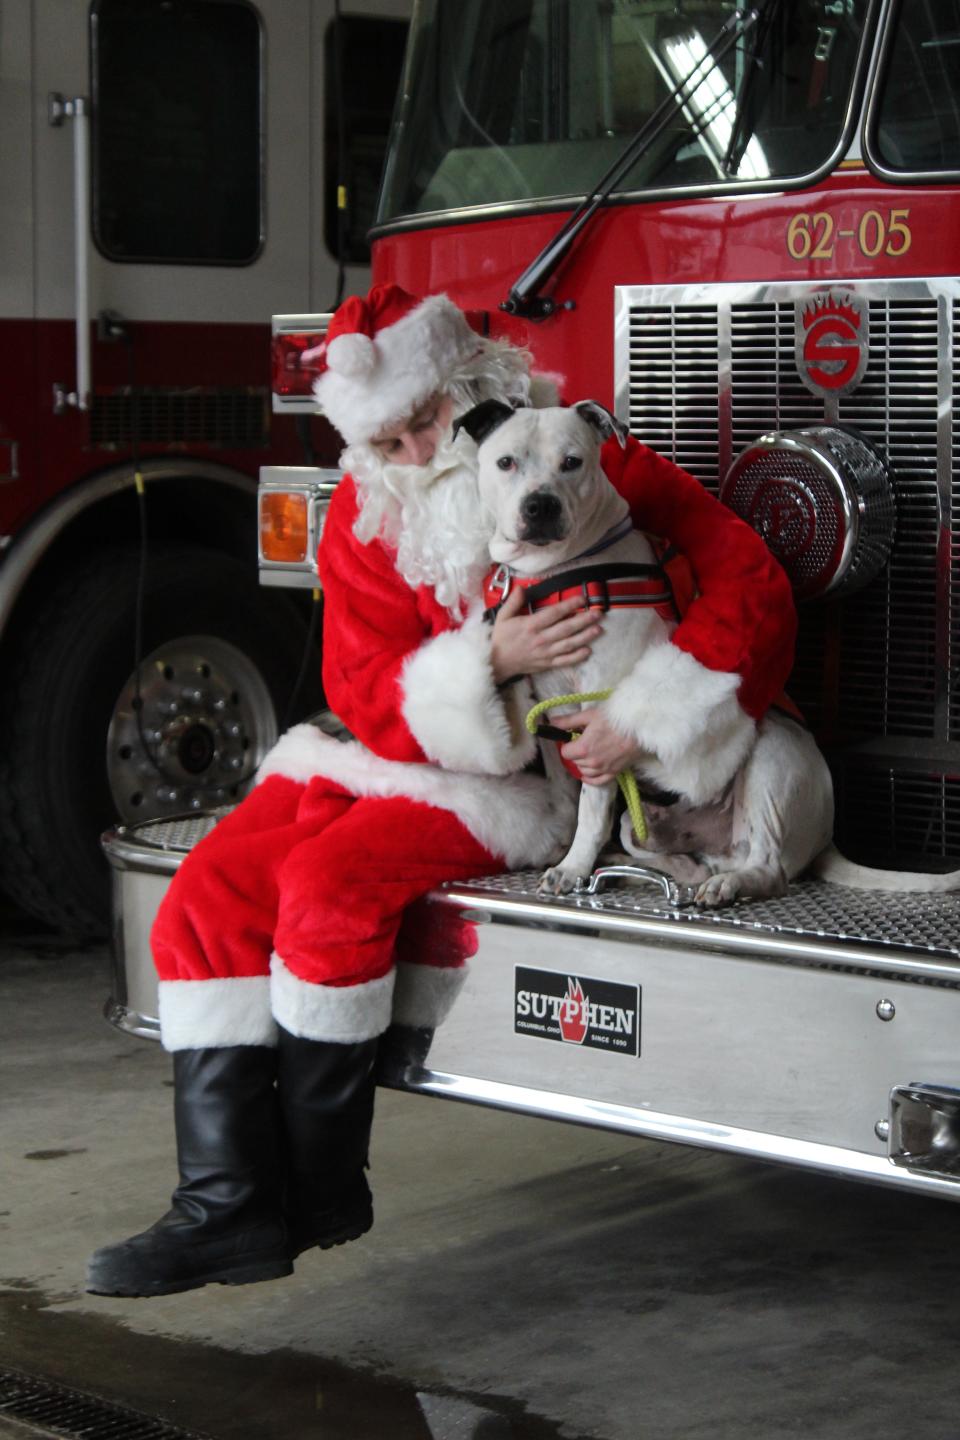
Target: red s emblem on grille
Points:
(831, 342)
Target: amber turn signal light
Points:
(283, 527)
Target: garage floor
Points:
(524, 1280)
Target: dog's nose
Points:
(540, 507)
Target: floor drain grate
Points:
(62, 1411)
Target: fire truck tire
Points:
(67, 686)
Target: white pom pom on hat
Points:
(351, 355)
(387, 354)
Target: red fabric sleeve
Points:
(744, 619)
(371, 624)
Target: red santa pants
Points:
(292, 911)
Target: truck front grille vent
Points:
(674, 392)
(951, 526)
(227, 419)
(58, 1410)
(704, 380)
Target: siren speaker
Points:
(823, 500)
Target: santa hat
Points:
(385, 355)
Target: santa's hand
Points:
(600, 752)
(552, 638)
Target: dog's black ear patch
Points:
(483, 419)
(601, 419)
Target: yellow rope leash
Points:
(626, 779)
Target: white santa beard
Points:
(430, 514)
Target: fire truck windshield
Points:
(521, 102)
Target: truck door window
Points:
(918, 106)
(359, 95)
(177, 130)
(528, 100)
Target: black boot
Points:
(226, 1223)
(326, 1096)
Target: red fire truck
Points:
(170, 173)
(739, 228)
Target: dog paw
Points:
(719, 890)
(557, 881)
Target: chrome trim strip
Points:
(871, 118)
(676, 1129)
(77, 109)
(621, 353)
(724, 390)
(584, 916)
(127, 852)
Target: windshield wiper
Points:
(739, 131)
(524, 297)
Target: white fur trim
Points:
(516, 817)
(454, 709)
(343, 1014)
(351, 354)
(195, 1014)
(425, 993)
(688, 716)
(412, 359)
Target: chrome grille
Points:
(701, 372)
(673, 404)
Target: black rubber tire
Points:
(70, 667)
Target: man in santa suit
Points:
(281, 946)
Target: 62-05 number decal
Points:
(814, 236)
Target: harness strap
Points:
(599, 587)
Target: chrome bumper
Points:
(820, 1030)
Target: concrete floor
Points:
(524, 1279)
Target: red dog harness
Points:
(599, 587)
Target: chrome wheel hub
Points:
(194, 735)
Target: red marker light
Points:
(296, 361)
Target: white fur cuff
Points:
(425, 993)
(454, 709)
(341, 1013)
(195, 1014)
(688, 716)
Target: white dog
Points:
(556, 512)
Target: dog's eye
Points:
(506, 462)
(570, 462)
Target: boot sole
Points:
(248, 1274)
(351, 1230)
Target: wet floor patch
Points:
(210, 1391)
